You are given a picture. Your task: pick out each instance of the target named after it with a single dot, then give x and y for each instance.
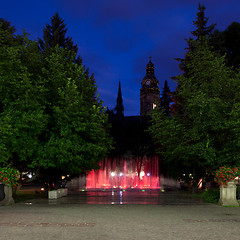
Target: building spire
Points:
(150, 67)
(149, 93)
(119, 107)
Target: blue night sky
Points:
(116, 38)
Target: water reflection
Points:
(119, 197)
(155, 197)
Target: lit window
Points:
(154, 105)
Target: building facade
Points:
(149, 92)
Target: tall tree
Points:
(165, 99)
(228, 42)
(208, 135)
(201, 24)
(22, 116)
(8, 34)
(201, 30)
(76, 135)
(48, 119)
(55, 34)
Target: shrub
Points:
(211, 195)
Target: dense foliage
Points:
(206, 135)
(226, 174)
(55, 34)
(165, 98)
(10, 176)
(211, 195)
(50, 114)
(201, 132)
(227, 43)
(202, 30)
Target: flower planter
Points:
(59, 193)
(53, 194)
(8, 199)
(228, 195)
(63, 192)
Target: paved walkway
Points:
(174, 217)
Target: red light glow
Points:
(125, 173)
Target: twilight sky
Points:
(116, 38)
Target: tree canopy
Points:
(55, 34)
(202, 30)
(50, 114)
(206, 135)
(165, 99)
(228, 42)
(201, 133)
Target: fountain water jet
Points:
(125, 173)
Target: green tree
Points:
(228, 42)
(22, 118)
(55, 34)
(75, 139)
(49, 121)
(165, 99)
(8, 37)
(202, 30)
(211, 96)
(206, 135)
(6, 132)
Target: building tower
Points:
(149, 93)
(119, 107)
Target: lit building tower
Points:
(149, 93)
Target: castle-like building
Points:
(149, 92)
(129, 132)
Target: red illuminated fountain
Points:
(142, 173)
